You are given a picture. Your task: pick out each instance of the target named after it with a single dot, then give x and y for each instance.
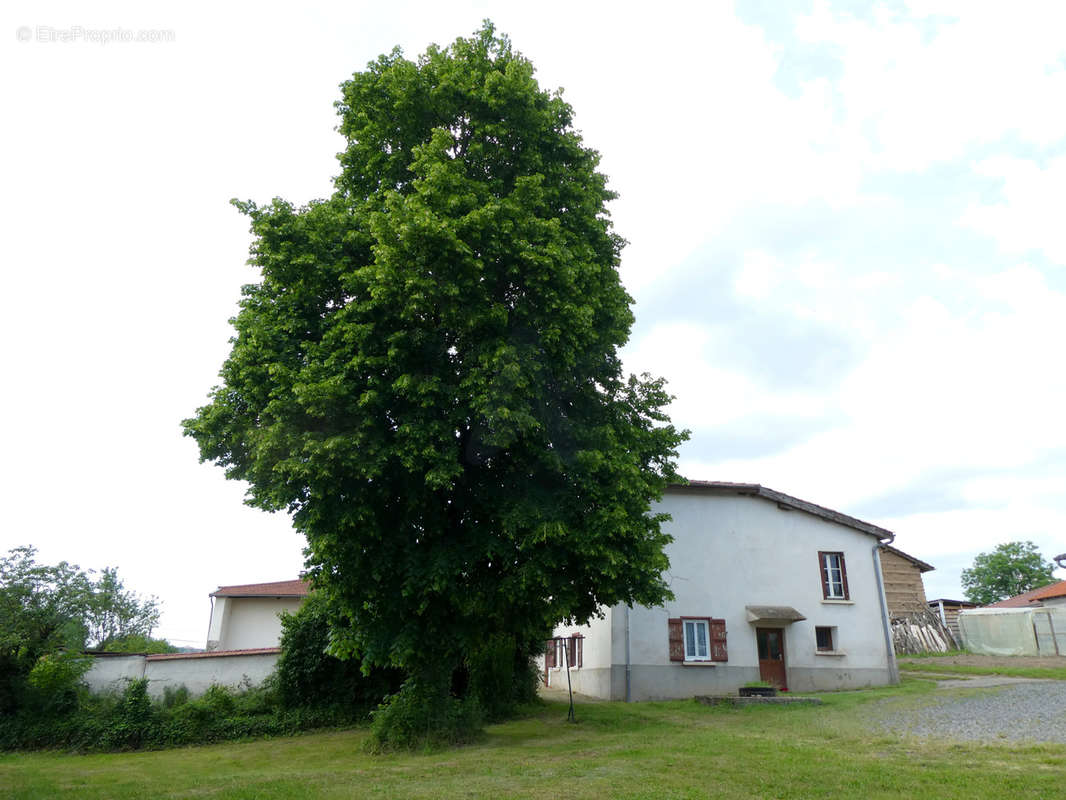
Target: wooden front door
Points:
(772, 655)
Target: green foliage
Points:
(113, 614)
(54, 684)
(132, 720)
(503, 676)
(46, 610)
(136, 643)
(427, 374)
(1011, 569)
(423, 714)
(307, 676)
(175, 696)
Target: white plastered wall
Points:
(241, 623)
(733, 551)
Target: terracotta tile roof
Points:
(786, 502)
(297, 588)
(255, 651)
(1022, 600)
(1054, 590)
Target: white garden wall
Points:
(196, 671)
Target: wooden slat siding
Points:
(904, 589)
(677, 639)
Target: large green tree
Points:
(1011, 568)
(427, 374)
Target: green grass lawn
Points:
(645, 750)
(943, 664)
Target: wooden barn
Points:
(904, 590)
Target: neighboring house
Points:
(248, 616)
(767, 587)
(904, 589)
(948, 611)
(1053, 594)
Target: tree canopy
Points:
(1010, 569)
(46, 609)
(427, 374)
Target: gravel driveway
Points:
(1013, 710)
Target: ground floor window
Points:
(696, 640)
(824, 638)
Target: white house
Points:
(767, 587)
(248, 616)
(242, 645)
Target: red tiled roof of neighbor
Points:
(1022, 600)
(295, 588)
(255, 651)
(1054, 590)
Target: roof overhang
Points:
(784, 502)
(780, 614)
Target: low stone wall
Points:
(196, 671)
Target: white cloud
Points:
(1030, 214)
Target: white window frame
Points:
(834, 589)
(696, 623)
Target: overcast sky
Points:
(847, 248)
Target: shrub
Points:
(424, 715)
(308, 677)
(54, 684)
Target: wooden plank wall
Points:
(904, 590)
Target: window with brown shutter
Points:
(697, 639)
(719, 652)
(549, 655)
(834, 575)
(576, 646)
(677, 639)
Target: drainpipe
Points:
(893, 670)
(628, 691)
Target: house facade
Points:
(248, 616)
(766, 587)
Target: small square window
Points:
(824, 638)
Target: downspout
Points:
(628, 692)
(893, 669)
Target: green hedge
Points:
(132, 720)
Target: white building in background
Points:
(767, 587)
(249, 615)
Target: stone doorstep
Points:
(729, 700)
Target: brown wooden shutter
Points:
(677, 639)
(844, 577)
(577, 642)
(718, 645)
(549, 655)
(823, 570)
(571, 652)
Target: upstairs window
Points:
(834, 576)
